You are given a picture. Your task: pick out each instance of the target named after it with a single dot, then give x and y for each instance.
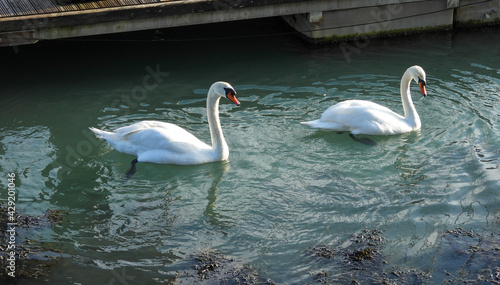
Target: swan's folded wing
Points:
(152, 135)
(126, 131)
(351, 111)
(359, 116)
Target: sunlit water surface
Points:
(285, 188)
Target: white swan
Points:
(165, 143)
(365, 117)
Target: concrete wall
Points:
(474, 12)
(368, 20)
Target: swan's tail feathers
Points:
(97, 132)
(310, 123)
(327, 125)
(104, 134)
(314, 124)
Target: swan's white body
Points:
(365, 117)
(165, 143)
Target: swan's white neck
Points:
(410, 113)
(219, 145)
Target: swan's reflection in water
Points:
(213, 215)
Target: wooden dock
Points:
(28, 21)
(13, 8)
(23, 21)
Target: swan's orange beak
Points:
(421, 84)
(231, 96)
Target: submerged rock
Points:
(467, 257)
(355, 251)
(476, 257)
(213, 267)
(359, 260)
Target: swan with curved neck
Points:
(365, 117)
(166, 143)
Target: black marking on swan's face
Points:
(229, 91)
(231, 95)
(421, 81)
(421, 84)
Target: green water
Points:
(286, 187)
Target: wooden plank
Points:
(68, 7)
(87, 6)
(12, 8)
(109, 3)
(56, 5)
(5, 9)
(19, 7)
(29, 8)
(44, 6)
(128, 2)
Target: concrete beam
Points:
(17, 38)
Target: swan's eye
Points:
(229, 91)
(421, 82)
